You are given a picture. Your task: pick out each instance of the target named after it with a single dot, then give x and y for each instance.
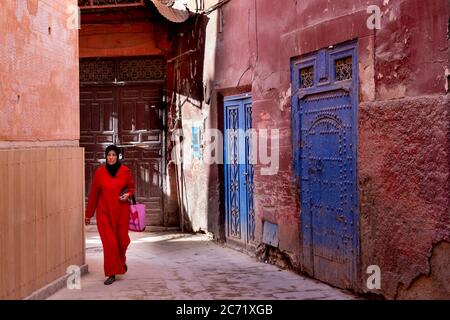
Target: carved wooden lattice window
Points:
(97, 71)
(307, 77)
(343, 68)
(141, 70)
(129, 70)
(86, 4)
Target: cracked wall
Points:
(403, 180)
(435, 284)
(404, 148)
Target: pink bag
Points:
(137, 217)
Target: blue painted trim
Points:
(226, 169)
(238, 97)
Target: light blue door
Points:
(239, 209)
(324, 124)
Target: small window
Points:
(343, 69)
(307, 77)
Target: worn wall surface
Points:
(39, 64)
(42, 167)
(41, 217)
(403, 146)
(222, 72)
(404, 151)
(122, 39)
(187, 109)
(404, 183)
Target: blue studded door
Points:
(238, 166)
(324, 138)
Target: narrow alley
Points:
(271, 150)
(181, 266)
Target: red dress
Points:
(112, 215)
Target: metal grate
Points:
(307, 77)
(343, 68)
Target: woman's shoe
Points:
(110, 280)
(125, 267)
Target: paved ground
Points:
(171, 265)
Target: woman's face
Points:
(111, 158)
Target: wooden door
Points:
(140, 136)
(98, 126)
(325, 140)
(239, 206)
(121, 103)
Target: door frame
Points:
(319, 59)
(244, 243)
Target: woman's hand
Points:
(87, 221)
(124, 197)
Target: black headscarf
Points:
(112, 169)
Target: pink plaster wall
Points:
(39, 67)
(404, 187)
(403, 124)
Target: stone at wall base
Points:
(53, 287)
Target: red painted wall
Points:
(403, 121)
(125, 39)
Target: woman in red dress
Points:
(107, 198)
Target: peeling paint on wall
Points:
(447, 76)
(435, 284)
